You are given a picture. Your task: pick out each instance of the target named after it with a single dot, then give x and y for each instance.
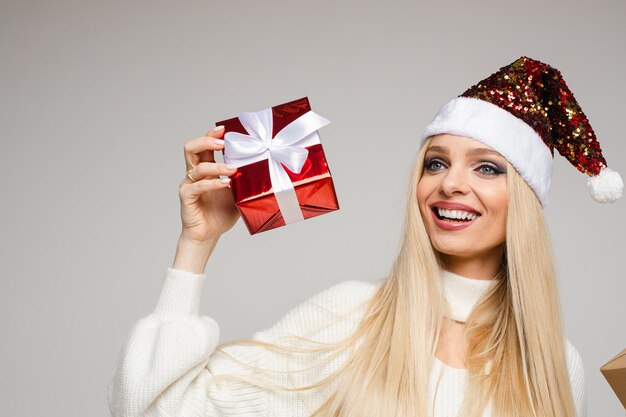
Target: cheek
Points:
(425, 187)
(423, 191)
(496, 201)
(494, 194)
(420, 194)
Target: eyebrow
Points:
(473, 151)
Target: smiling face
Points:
(462, 196)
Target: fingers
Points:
(201, 150)
(191, 191)
(210, 170)
(216, 132)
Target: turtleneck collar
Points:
(463, 293)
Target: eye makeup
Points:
(497, 167)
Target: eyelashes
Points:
(493, 169)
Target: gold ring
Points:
(189, 174)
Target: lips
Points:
(452, 225)
(448, 205)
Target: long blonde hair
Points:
(515, 344)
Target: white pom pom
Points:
(606, 187)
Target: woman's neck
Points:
(483, 266)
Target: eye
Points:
(434, 165)
(489, 169)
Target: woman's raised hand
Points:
(207, 207)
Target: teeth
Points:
(456, 214)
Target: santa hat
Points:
(524, 111)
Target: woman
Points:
(466, 323)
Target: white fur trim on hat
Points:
(515, 140)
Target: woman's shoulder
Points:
(338, 307)
(343, 295)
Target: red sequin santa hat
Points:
(524, 111)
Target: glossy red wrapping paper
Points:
(252, 188)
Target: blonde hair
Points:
(515, 345)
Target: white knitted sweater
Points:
(168, 365)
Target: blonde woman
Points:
(466, 323)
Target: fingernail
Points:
(224, 180)
(230, 167)
(220, 141)
(218, 128)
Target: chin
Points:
(464, 248)
(459, 251)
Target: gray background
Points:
(99, 97)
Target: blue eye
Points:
(434, 165)
(489, 170)
(486, 168)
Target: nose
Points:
(454, 181)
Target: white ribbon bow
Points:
(287, 147)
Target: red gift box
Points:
(282, 176)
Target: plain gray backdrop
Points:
(98, 99)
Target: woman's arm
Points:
(163, 367)
(168, 365)
(193, 256)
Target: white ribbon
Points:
(287, 147)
